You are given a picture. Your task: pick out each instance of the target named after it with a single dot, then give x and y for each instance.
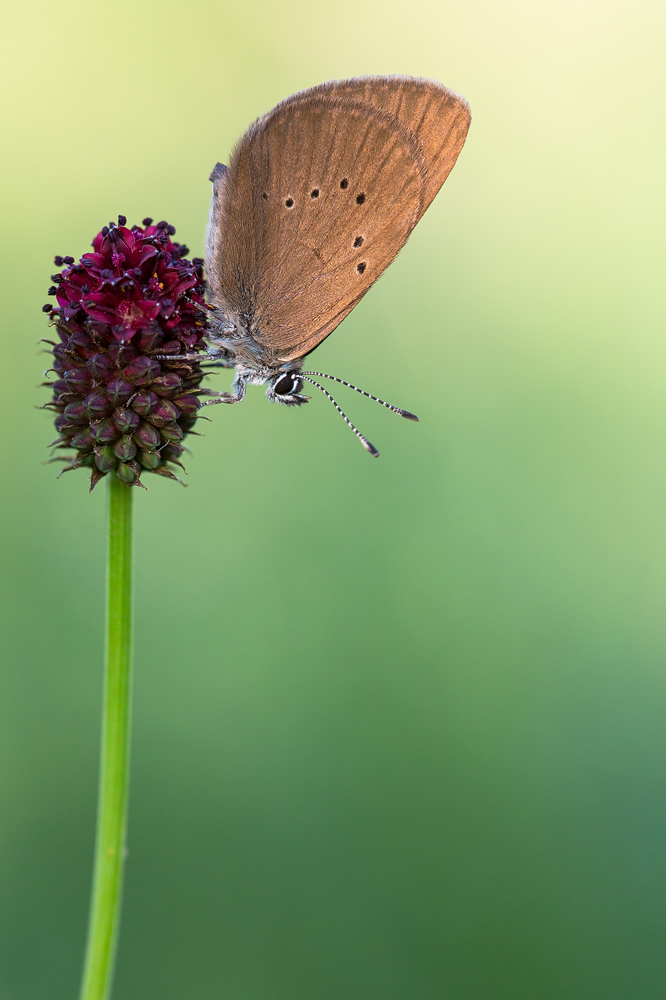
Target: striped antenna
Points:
(364, 441)
(396, 409)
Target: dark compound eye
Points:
(285, 386)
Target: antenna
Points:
(396, 409)
(364, 441)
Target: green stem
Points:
(114, 765)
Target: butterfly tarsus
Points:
(237, 396)
(203, 359)
(222, 397)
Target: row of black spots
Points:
(289, 202)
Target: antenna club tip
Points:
(370, 447)
(409, 416)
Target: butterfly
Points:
(319, 196)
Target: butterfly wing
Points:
(319, 197)
(321, 194)
(438, 118)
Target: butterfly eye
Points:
(287, 385)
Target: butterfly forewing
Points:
(438, 118)
(308, 222)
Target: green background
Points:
(399, 723)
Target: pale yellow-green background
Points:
(399, 723)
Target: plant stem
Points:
(114, 764)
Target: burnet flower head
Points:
(133, 298)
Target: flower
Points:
(121, 405)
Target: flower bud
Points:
(147, 437)
(105, 460)
(119, 390)
(63, 426)
(82, 344)
(83, 441)
(100, 367)
(78, 380)
(97, 405)
(142, 371)
(171, 433)
(143, 403)
(164, 413)
(165, 385)
(106, 431)
(126, 473)
(149, 460)
(188, 405)
(126, 420)
(75, 413)
(125, 448)
(150, 340)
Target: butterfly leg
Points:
(237, 396)
(210, 360)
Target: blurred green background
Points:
(399, 724)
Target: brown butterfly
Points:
(320, 195)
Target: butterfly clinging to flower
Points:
(319, 196)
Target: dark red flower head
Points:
(121, 406)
